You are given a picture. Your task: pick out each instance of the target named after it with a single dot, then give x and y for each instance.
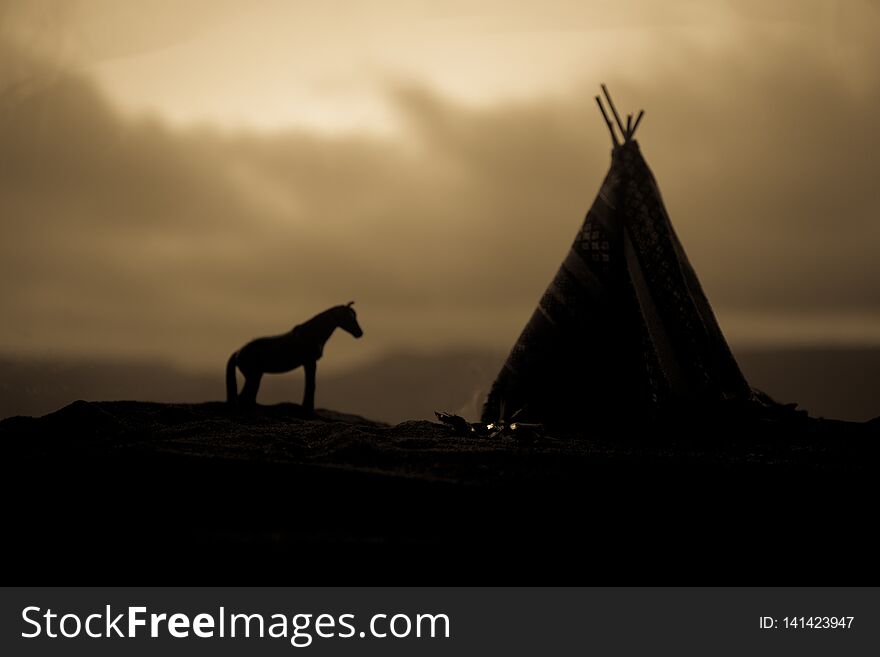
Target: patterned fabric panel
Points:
(700, 349)
(567, 355)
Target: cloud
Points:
(129, 237)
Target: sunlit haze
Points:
(179, 176)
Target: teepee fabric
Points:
(624, 330)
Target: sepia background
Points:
(181, 176)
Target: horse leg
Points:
(248, 394)
(231, 383)
(309, 395)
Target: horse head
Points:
(347, 320)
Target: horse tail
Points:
(231, 383)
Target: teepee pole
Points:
(607, 121)
(636, 124)
(614, 111)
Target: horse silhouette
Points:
(302, 346)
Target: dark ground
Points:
(135, 492)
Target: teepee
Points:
(624, 330)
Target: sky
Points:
(178, 178)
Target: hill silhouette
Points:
(203, 492)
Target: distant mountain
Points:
(393, 388)
(831, 382)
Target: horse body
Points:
(276, 354)
(302, 347)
